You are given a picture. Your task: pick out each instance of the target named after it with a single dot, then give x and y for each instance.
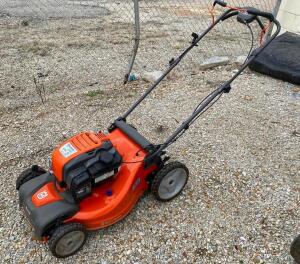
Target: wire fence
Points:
(74, 43)
(64, 44)
(166, 28)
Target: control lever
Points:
(245, 18)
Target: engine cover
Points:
(85, 161)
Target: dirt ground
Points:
(241, 204)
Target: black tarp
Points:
(281, 59)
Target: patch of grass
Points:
(94, 93)
(40, 49)
(76, 45)
(52, 89)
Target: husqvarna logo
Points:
(42, 195)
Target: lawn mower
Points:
(95, 179)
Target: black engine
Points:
(90, 169)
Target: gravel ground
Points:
(241, 204)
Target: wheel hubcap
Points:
(172, 183)
(69, 243)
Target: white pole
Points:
(289, 16)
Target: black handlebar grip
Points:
(254, 11)
(220, 2)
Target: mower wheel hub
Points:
(172, 183)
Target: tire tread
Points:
(59, 232)
(295, 249)
(162, 173)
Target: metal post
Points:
(136, 39)
(275, 13)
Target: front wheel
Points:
(67, 239)
(295, 249)
(170, 181)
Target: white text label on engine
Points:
(67, 150)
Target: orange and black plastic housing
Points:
(79, 144)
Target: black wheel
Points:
(170, 181)
(29, 174)
(295, 249)
(67, 239)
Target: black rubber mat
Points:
(281, 59)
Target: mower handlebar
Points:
(250, 14)
(251, 10)
(256, 12)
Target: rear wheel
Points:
(29, 174)
(295, 249)
(170, 181)
(67, 239)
